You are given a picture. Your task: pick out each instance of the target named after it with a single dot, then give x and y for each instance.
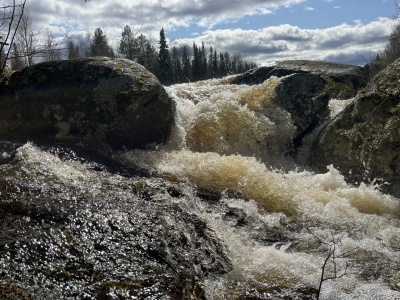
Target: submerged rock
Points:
(363, 142)
(93, 101)
(76, 231)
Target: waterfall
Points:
(230, 141)
(219, 211)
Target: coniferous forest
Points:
(176, 64)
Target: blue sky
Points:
(346, 31)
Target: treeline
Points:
(184, 63)
(179, 64)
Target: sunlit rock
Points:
(93, 101)
(343, 81)
(306, 88)
(363, 141)
(87, 233)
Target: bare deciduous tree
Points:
(11, 14)
(28, 39)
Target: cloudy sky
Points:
(346, 31)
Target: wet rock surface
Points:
(92, 101)
(306, 88)
(76, 231)
(363, 142)
(343, 81)
(302, 95)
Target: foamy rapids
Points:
(230, 139)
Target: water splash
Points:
(231, 119)
(228, 138)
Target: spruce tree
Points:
(151, 59)
(176, 65)
(203, 62)
(197, 63)
(215, 69)
(164, 60)
(186, 65)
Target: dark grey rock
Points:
(93, 101)
(363, 142)
(99, 235)
(342, 81)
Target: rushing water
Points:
(230, 141)
(276, 221)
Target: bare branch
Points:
(334, 243)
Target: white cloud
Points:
(344, 43)
(309, 8)
(152, 14)
(269, 43)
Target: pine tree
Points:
(99, 45)
(164, 60)
(128, 46)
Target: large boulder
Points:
(93, 101)
(305, 89)
(363, 142)
(342, 80)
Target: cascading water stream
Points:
(230, 141)
(73, 228)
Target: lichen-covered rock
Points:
(363, 142)
(93, 101)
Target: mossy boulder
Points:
(363, 142)
(93, 101)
